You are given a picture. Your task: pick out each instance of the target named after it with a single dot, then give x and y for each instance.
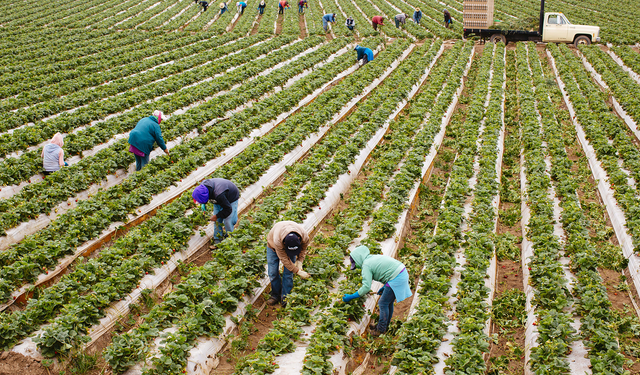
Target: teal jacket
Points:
(146, 132)
(381, 268)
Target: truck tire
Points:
(495, 38)
(582, 40)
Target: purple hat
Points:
(292, 241)
(200, 194)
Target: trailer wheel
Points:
(495, 38)
(582, 40)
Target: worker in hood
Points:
(377, 20)
(447, 19)
(363, 53)
(53, 155)
(225, 195)
(143, 136)
(391, 272)
(287, 242)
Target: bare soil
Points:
(14, 363)
(262, 325)
(303, 26)
(254, 31)
(279, 21)
(376, 365)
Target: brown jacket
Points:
(276, 236)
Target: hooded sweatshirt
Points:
(53, 154)
(361, 51)
(276, 236)
(380, 268)
(146, 132)
(224, 192)
(402, 18)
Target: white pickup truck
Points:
(554, 27)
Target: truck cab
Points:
(558, 29)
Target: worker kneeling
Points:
(287, 242)
(391, 272)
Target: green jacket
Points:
(380, 268)
(146, 132)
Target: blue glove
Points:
(66, 164)
(349, 297)
(203, 207)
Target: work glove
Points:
(303, 274)
(203, 207)
(349, 297)
(66, 164)
(298, 264)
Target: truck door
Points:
(555, 29)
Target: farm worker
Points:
(301, 5)
(401, 19)
(143, 136)
(282, 5)
(240, 5)
(204, 5)
(225, 195)
(287, 242)
(261, 7)
(391, 272)
(447, 19)
(350, 23)
(223, 7)
(53, 155)
(331, 17)
(377, 20)
(363, 53)
(417, 15)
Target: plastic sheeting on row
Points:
(616, 215)
(616, 58)
(17, 234)
(200, 362)
(201, 358)
(445, 121)
(633, 126)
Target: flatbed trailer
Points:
(504, 36)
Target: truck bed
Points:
(511, 35)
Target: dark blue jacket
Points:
(146, 132)
(224, 192)
(361, 51)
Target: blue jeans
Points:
(300, 8)
(280, 288)
(261, 10)
(141, 161)
(226, 225)
(385, 305)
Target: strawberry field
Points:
(504, 177)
